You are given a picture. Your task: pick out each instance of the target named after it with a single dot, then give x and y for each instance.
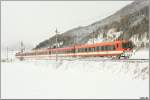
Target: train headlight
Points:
(127, 53)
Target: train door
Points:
(117, 46)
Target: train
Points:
(103, 49)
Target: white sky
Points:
(35, 21)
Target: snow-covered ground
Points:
(78, 78)
(142, 53)
(74, 79)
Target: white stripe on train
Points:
(75, 54)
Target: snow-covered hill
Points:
(130, 20)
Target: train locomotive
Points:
(104, 49)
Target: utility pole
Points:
(12, 51)
(50, 46)
(56, 44)
(75, 38)
(93, 36)
(7, 53)
(22, 49)
(75, 42)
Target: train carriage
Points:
(109, 49)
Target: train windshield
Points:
(127, 45)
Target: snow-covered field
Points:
(140, 54)
(74, 79)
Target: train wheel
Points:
(118, 57)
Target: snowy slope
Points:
(143, 41)
(110, 36)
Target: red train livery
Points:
(111, 49)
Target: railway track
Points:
(117, 60)
(104, 59)
(120, 60)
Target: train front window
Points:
(127, 45)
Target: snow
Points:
(98, 39)
(90, 78)
(79, 79)
(142, 53)
(110, 36)
(57, 44)
(113, 35)
(144, 40)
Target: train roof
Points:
(99, 44)
(78, 46)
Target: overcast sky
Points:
(35, 21)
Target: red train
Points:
(111, 49)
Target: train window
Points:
(79, 50)
(76, 50)
(73, 50)
(49, 52)
(68, 51)
(113, 47)
(90, 50)
(102, 48)
(125, 45)
(86, 49)
(108, 48)
(98, 48)
(93, 49)
(105, 48)
(82, 49)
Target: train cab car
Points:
(126, 47)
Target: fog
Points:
(35, 21)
